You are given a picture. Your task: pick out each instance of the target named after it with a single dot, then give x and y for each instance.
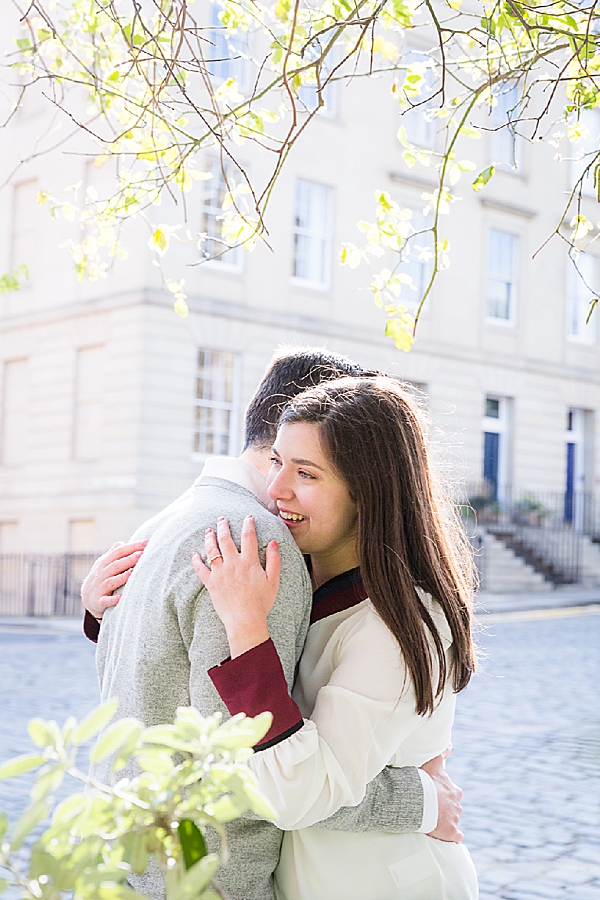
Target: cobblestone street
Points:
(526, 744)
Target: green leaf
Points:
(241, 731)
(96, 720)
(69, 808)
(196, 878)
(258, 803)
(483, 178)
(126, 750)
(138, 854)
(68, 730)
(47, 782)
(192, 842)
(21, 764)
(27, 823)
(3, 885)
(113, 738)
(44, 733)
(229, 807)
(156, 762)
(3, 825)
(168, 736)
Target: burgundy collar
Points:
(339, 593)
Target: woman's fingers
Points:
(226, 547)
(115, 581)
(122, 564)
(105, 603)
(248, 543)
(123, 557)
(202, 571)
(211, 546)
(273, 563)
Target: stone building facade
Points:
(110, 402)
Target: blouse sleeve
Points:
(360, 718)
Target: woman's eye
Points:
(304, 474)
(275, 461)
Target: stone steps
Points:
(504, 572)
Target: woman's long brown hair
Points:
(371, 432)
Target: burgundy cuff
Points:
(91, 627)
(254, 683)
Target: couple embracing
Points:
(355, 636)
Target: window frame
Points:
(231, 261)
(511, 320)
(327, 238)
(516, 166)
(239, 65)
(411, 54)
(232, 406)
(575, 280)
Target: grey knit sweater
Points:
(156, 646)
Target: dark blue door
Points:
(491, 457)
(570, 486)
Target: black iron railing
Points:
(42, 585)
(545, 529)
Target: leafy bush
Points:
(193, 775)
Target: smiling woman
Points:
(388, 647)
(313, 501)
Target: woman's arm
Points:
(360, 717)
(359, 721)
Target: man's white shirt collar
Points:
(240, 472)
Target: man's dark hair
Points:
(290, 372)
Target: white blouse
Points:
(354, 691)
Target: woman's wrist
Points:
(243, 636)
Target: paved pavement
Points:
(526, 753)
(526, 741)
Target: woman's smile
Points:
(291, 519)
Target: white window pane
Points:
(501, 281)
(312, 236)
(227, 53)
(307, 94)
(498, 299)
(215, 189)
(418, 260)
(585, 151)
(504, 144)
(215, 393)
(582, 285)
(420, 129)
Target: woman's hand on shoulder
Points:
(242, 592)
(110, 572)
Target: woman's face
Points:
(312, 501)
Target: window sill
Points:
(500, 323)
(577, 341)
(310, 285)
(222, 268)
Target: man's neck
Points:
(260, 458)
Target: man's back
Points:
(156, 646)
